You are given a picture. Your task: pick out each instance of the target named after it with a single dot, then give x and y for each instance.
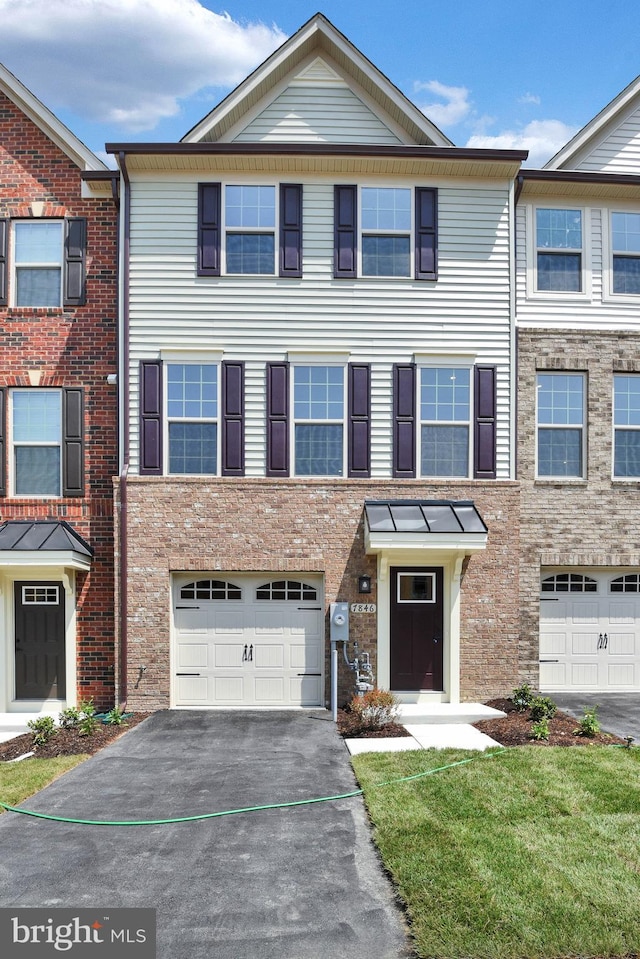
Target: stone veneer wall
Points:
(300, 525)
(589, 522)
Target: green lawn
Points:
(534, 852)
(20, 780)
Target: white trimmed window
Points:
(318, 420)
(445, 421)
(559, 239)
(38, 253)
(250, 229)
(625, 253)
(36, 440)
(386, 231)
(560, 425)
(192, 418)
(626, 425)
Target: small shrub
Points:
(374, 710)
(589, 724)
(542, 707)
(44, 728)
(115, 717)
(522, 697)
(70, 718)
(540, 729)
(88, 722)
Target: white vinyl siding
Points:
(619, 152)
(260, 319)
(308, 114)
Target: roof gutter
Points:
(126, 444)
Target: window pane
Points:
(626, 274)
(559, 229)
(386, 209)
(37, 470)
(626, 400)
(560, 399)
(625, 230)
(318, 393)
(250, 206)
(37, 416)
(35, 287)
(445, 451)
(192, 391)
(318, 450)
(386, 256)
(558, 271)
(38, 243)
(193, 448)
(445, 394)
(626, 459)
(250, 253)
(559, 452)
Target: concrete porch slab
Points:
(426, 736)
(446, 713)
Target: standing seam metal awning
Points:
(44, 543)
(428, 524)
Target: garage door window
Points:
(569, 583)
(630, 583)
(286, 589)
(210, 589)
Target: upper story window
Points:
(318, 420)
(192, 417)
(625, 248)
(42, 263)
(626, 426)
(559, 250)
(560, 424)
(445, 421)
(250, 229)
(384, 231)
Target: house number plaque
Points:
(363, 607)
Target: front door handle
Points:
(436, 639)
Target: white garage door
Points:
(590, 631)
(248, 640)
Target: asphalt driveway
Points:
(300, 883)
(618, 713)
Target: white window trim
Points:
(12, 445)
(13, 293)
(607, 257)
(430, 576)
(614, 428)
(317, 361)
(583, 428)
(178, 360)
(437, 363)
(275, 230)
(412, 231)
(532, 253)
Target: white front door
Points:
(248, 640)
(590, 631)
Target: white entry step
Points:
(449, 713)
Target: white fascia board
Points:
(38, 558)
(465, 543)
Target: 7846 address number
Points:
(363, 607)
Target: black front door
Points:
(416, 628)
(39, 632)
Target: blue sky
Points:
(487, 72)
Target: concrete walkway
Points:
(297, 883)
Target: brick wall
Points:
(301, 525)
(70, 347)
(590, 522)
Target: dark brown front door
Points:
(39, 632)
(416, 628)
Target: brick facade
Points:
(588, 522)
(300, 525)
(72, 347)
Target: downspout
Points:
(123, 382)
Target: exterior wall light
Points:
(364, 584)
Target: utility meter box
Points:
(339, 628)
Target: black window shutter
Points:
(485, 423)
(4, 232)
(359, 439)
(277, 419)
(150, 417)
(209, 229)
(3, 428)
(73, 442)
(345, 222)
(291, 229)
(404, 420)
(426, 233)
(232, 419)
(75, 247)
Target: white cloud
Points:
(542, 138)
(455, 108)
(127, 62)
(530, 98)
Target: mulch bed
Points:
(348, 727)
(515, 729)
(68, 742)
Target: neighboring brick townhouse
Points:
(58, 411)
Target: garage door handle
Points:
(549, 660)
(309, 674)
(188, 674)
(187, 607)
(311, 609)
